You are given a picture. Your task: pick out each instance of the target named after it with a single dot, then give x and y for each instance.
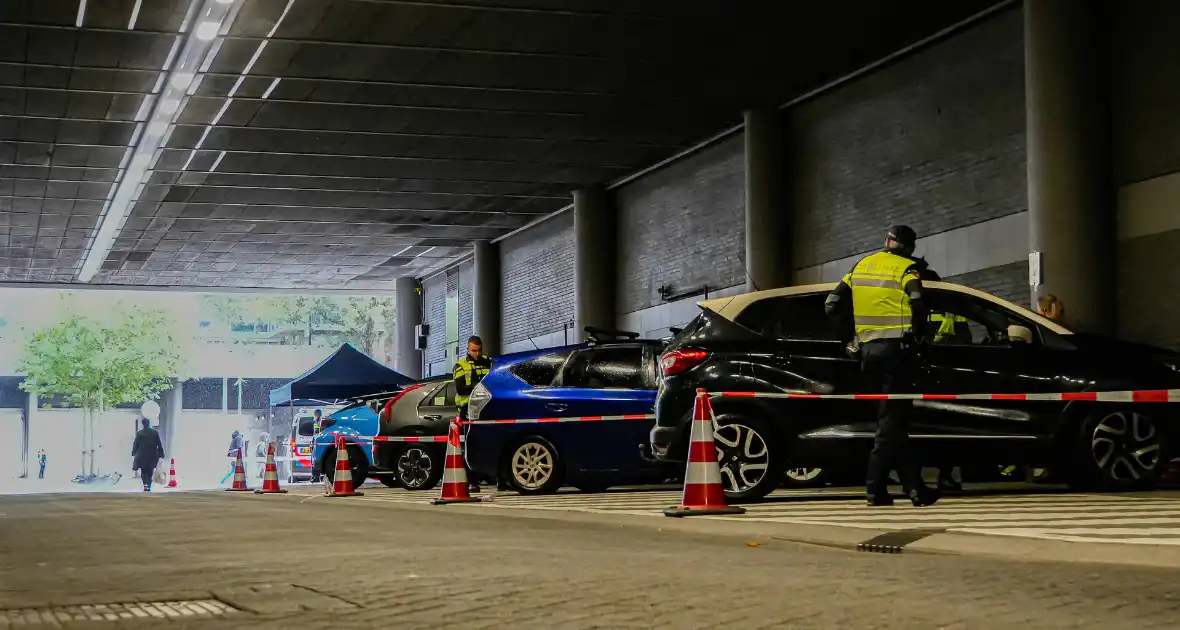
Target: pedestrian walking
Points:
(237, 444)
(42, 460)
(147, 451)
(883, 294)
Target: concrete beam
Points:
(486, 316)
(407, 359)
(595, 267)
(768, 222)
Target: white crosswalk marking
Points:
(1066, 517)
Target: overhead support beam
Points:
(486, 321)
(1070, 193)
(455, 50)
(326, 209)
(595, 245)
(768, 222)
(400, 158)
(407, 359)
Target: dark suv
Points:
(780, 341)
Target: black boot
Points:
(879, 499)
(924, 495)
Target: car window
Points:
(541, 371)
(960, 319)
(306, 427)
(616, 367)
(438, 394)
(799, 317)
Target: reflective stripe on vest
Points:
(467, 369)
(880, 306)
(946, 328)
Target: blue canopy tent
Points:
(346, 374)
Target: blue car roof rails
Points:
(597, 336)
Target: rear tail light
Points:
(403, 392)
(477, 400)
(678, 361)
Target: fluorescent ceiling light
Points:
(169, 105)
(207, 30)
(181, 80)
(81, 17)
(224, 1)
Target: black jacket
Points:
(147, 449)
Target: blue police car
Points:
(602, 379)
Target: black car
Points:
(780, 341)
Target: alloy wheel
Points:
(414, 466)
(532, 465)
(742, 455)
(1126, 446)
(804, 474)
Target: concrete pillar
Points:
(407, 359)
(1070, 200)
(171, 405)
(768, 222)
(486, 315)
(594, 260)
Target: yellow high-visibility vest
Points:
(470, 372)
(946, 326)
(880, 305)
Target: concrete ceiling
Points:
(371, 139)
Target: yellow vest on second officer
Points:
(880, 305)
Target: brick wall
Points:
(466, 300)
(1146, 94)
(434, 291)
(1006, 281)
(538, 279)
(935, 140)
(1148, 277)
(682, 226)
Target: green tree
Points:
(94, 364)
(328, 320)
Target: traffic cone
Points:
(342, 481)
(703, 493)
(454, 479)
(239, 484)
(270, 479)
(172, 474)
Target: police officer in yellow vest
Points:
(470, 370)
(883, 292)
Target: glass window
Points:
(960, 319)
(541, 371)
(306, 427)
(618, 367)
(790, 317)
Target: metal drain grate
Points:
(56, 616)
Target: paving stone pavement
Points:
(362, 564)
(1148, 519)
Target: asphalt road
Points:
(308, 562)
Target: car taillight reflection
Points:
(678, 361)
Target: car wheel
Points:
(805, 478)
(417, 467)
(534, 466)
(749, 456)
(356, 459)
(389, 482)
(1121, 449)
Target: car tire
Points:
(1119, 449)
(534, 466)
(389, 482)
(746, 445)
(417, 467)
(805, 478)
(356, 458)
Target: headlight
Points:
(479, 398)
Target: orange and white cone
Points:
(703, 493)
(454, 479)
(342, 480)
(239, 484)
(270, 479)
(172, 474)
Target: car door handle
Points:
(432, 417)
(558, 407)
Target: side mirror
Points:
(1019, 334)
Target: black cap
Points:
(903, 234)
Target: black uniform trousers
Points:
(887, 365)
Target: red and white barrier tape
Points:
(638, 416)
(1127, 396)
(396, 438)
